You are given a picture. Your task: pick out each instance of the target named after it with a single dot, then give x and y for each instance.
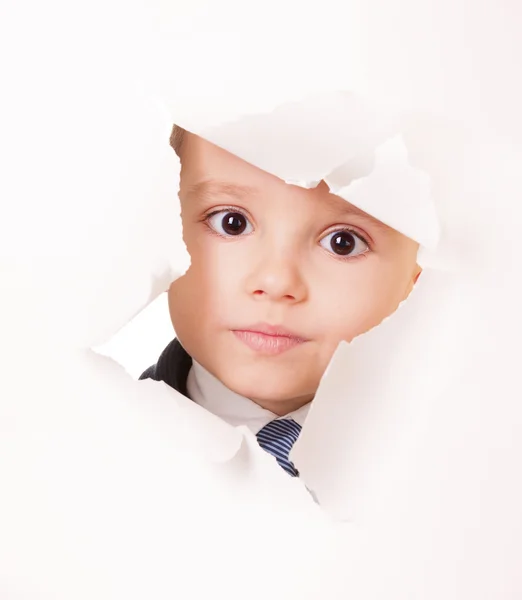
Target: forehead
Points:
(210, 173)
(202, 160)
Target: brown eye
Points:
(233, 223)
(344, 243)
(229, 223)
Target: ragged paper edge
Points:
(361, 178)
(376, 163)
(393, 175)
(307, 454)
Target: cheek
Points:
(361, 298)
(211, 279)
(216, 266)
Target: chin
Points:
(266, 388)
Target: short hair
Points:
(176, 139)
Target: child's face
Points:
(265, 253)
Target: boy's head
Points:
(279, 275)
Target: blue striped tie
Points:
(277, 438)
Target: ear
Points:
(414, 278)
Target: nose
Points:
(277, 277)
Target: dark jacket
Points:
(173, 367)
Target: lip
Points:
(268, 339)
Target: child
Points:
(279, 276)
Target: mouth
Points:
(268, 339)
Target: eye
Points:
(229, 223)
(344, 243)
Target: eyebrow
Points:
(207, 190)
(354, 211)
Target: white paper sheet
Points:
(117, 489)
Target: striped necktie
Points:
(277, 438)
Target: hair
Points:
(176, 139)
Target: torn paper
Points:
(116, 489)
(113, 489)
(399, 427)
(115, 249)
(407, 206)
(422, 414)
(346, 141)
(428, 56)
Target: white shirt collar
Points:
(207, 391)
